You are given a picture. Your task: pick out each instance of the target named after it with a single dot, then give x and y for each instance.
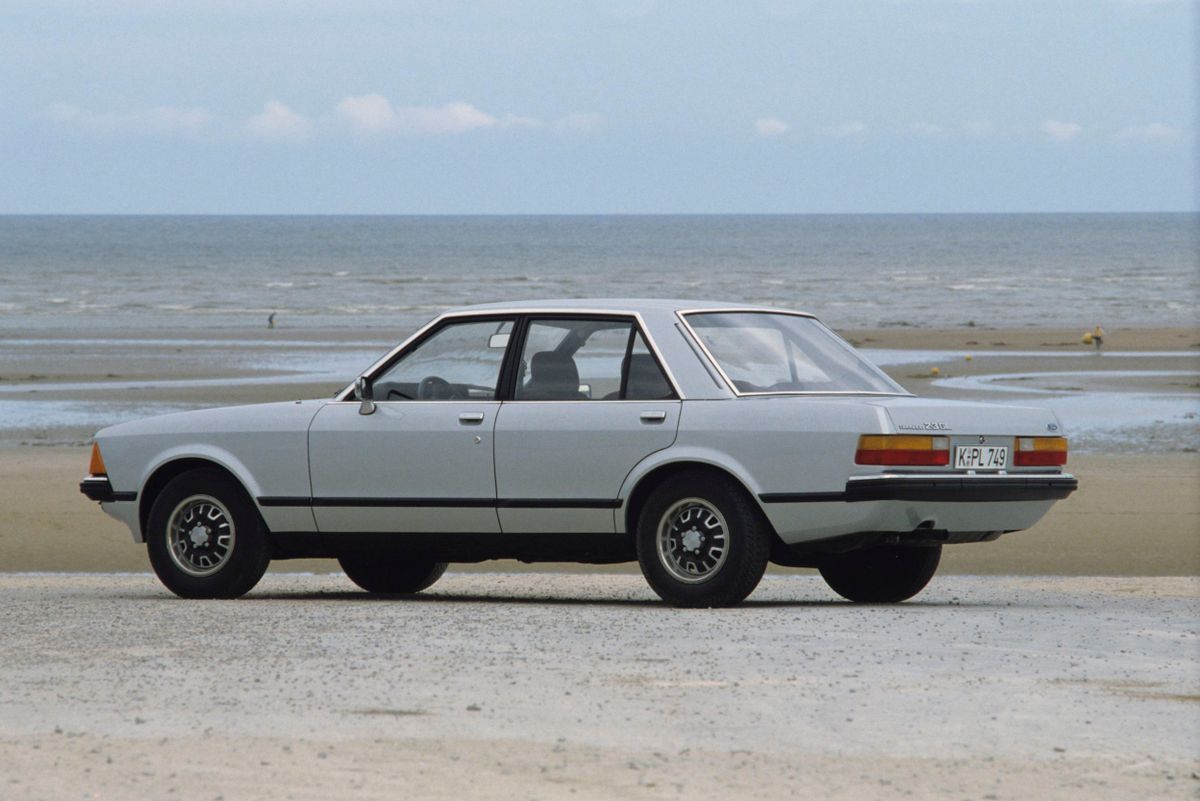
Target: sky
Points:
(624, 106)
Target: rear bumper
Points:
(98, 488)
(959, 488)
(942, 487)
(896, 502)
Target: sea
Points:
(166, 273)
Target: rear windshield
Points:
(766, 352)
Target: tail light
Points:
(1040, 452)
(96, 465)
(902, 449)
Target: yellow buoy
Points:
(934, 371)
(1087, 338)
(968, 357)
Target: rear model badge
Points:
(923, 427)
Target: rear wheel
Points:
(884, 574)
(205, 538)
(701, 541)
(390, 573)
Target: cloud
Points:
(846, 130)
(1060, 131)
(451, 118)
(277, 122)
(517, 121)
(368, 114)
(770, 126)
(374, 114)
(1154, 132)
(578, 123)
(157, 120)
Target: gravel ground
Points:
(583, 686)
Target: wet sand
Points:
(82, 383)
(1133, 515)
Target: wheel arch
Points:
(176, 465)
(648, 476)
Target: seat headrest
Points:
(552, 367)
(552, 376)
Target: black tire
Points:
(200, 567)
(885, 574)
(390, 573)
(718, 581)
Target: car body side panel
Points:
(786, 444)
(264, 446)
(806, 445)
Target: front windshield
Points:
(769, 352)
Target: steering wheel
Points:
(434, 387)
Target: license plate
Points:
(980, 457)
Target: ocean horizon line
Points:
(593, 215)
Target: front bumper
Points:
(98, 488)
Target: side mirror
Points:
(362, 391)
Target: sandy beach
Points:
(571, 686)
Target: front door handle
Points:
(653, 417)
(471, 418)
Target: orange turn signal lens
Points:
(902, 449)
(1040, 452)
(96, 465)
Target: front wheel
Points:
(389, 573)
(885, 574)
(205, 538)
(701, 541)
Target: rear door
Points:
(590, 401)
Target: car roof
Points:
(616, 305)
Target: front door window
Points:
(460, 361)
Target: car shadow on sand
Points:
(351, 596)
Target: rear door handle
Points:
(653, 417)
(471, 418)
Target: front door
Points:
(422, 461)
(409, 467)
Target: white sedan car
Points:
(702, 440)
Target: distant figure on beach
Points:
(271, 321)
(1098, 338)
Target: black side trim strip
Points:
(278, 500)
(558, 503)
(403, 502)
(504, 503)
(801, 497)
(124, 496)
